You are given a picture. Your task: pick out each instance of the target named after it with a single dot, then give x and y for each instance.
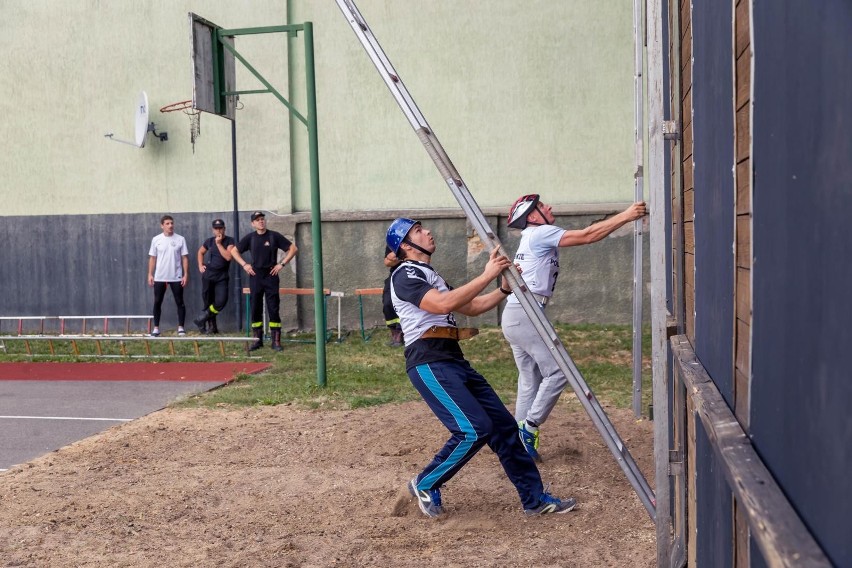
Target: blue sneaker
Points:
(530, 439)
(550, 504)
(428, 500)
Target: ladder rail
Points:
(488, 236)
(639, 195)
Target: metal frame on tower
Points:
(219, 90)
(639, 195)
(664, 462)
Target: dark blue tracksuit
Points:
(460, 397)
(467, 405)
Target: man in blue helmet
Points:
(460, 397)
(540, 380)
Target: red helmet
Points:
(521, 208)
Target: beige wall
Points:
(74, 71)
(533, 96)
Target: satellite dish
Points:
(141, 119)
(141, 125)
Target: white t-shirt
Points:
(538, 256)
(168, 252)
(410, 281)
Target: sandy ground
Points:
(277, 486)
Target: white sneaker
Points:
(428, 501)
(155, 332)
(181, 332)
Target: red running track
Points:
(133, 371)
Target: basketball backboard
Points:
(213, 69)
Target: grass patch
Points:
(362, 374)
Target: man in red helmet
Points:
(540, 380)
(459, 397)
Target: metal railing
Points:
(52, 331)
(298, 292)
(56, 344)
(85, 323)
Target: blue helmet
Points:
(397, 231)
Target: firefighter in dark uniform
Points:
(263, 269)
(459, 397)
(215, 275)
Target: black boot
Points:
(276, 340)
(202, 319)
(214, 329)
(258, 334)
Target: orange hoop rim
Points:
(185, 106)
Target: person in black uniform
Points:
(263, 269)
(460, 397)
(215, 275)
(391, 318)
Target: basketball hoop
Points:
(194, 118)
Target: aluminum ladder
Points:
(489, 238)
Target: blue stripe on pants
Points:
(466, 404)
(463, 444)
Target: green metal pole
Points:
(361, 316)
(316, 227)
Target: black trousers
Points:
(264, 285)
(160, 294)
(214, 290)
(391, 318)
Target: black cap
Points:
(218, 224)
(257, 214)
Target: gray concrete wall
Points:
(97, 264)
(595, 281)
(74, 265)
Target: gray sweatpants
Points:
(540, 381)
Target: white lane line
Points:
(67, 418)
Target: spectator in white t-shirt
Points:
(168, 266)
